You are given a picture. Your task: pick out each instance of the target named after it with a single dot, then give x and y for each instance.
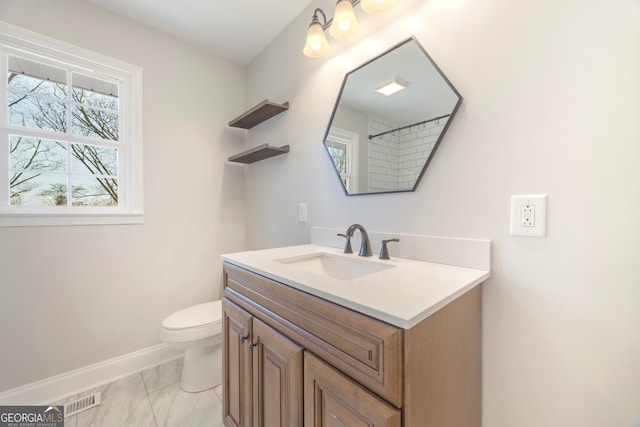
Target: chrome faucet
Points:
(365, 247)
(384, 252)
(347, 244)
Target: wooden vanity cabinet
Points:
(263, 386)
(333, 399)
(237, 383)
(293, 359)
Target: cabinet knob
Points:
(243, 338)
(253, 344)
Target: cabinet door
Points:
(236, 331)
(334, 400)
(277, 378)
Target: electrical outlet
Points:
(529, 215)
(302, 212)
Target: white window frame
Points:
(17, 41)
(350, 141)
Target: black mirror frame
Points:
(437, 143)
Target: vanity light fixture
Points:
(343, 24)
(394, 86)
(377, 6)
(317, 44)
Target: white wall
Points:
(74, 296)
(551, 105)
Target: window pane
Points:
(339, 156)
(36, 86)
(34, 189)
(95, 123)
(96, 111)
(92, 160)
(95, 93)
(37, 154)
(37, 78)
(38, 113)
(88, 191)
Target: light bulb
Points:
(344, 23)
(317, 44)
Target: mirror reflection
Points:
(388, 120)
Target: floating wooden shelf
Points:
(258, 114)
(258, 153)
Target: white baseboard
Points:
(50, 390)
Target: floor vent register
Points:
(77, 406)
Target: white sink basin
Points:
(334, 266)
(400, 291)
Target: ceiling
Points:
(236, 30)
(428, 93)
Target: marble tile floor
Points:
(151, 398)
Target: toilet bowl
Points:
(198, 330)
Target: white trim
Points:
(25, 39)
(351, 142)
(48, 219)
(56, 388)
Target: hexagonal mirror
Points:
(389, 118)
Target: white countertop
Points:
(402, 296)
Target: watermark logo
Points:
(32, 416)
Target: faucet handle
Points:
(347, 245)
(384, 252)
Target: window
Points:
(342, 146)
(70, 134)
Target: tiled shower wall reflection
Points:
(396, 159)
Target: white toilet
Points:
(198, 330)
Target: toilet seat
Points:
(193, 323)
(198, 315)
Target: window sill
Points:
(68, 219)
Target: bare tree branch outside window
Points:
(41, 167)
